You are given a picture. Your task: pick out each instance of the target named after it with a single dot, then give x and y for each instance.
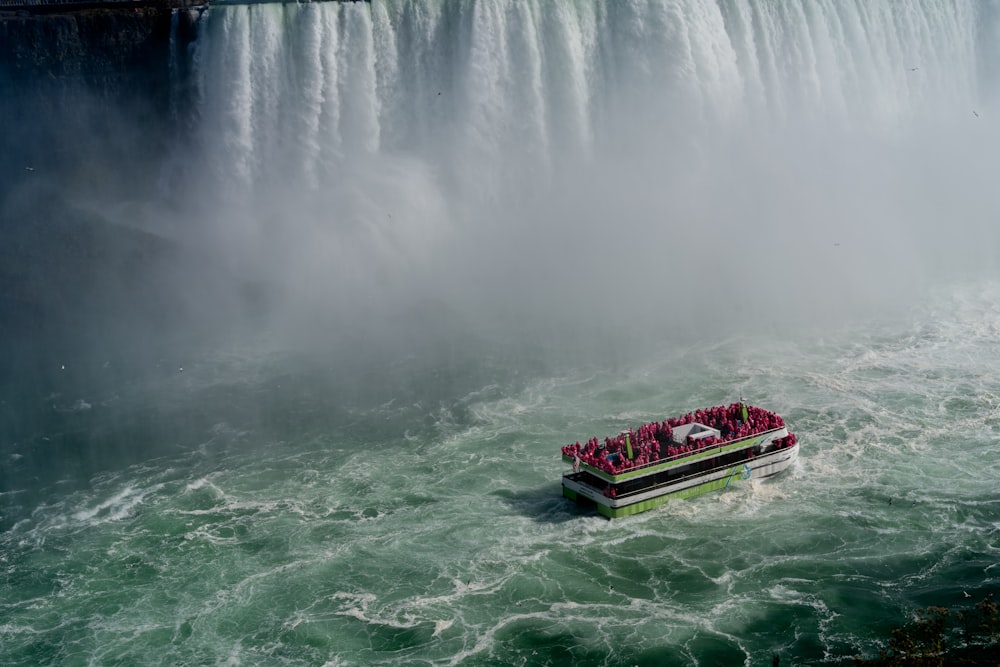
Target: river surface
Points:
(294, 526)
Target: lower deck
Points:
(632, 496)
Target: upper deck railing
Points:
(686, 457)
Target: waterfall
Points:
(395, 128)
(542, 79)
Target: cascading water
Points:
(420, 134)
(282, 84)
(457, 198)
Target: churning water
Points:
(431, 530)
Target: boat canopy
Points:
(695, 431)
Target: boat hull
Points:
(761, 467)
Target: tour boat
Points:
(705, 450)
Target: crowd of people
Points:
(655, 441)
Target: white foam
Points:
(117, 507)
(441, 626)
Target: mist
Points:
(390, 175)
(597, 167)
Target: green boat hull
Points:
(653, 503)
(759, 467)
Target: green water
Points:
(287, 523)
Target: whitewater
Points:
(483, 229)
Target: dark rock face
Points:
(91, 97)
(93, 103)
(100, 45)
